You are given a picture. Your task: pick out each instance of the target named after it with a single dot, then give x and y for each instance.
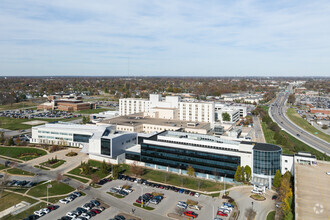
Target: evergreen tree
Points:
(277, 179)
(115, 172)
(225, 116)
(248, 173)
(243, 174)
(238, 174)
(190, 171)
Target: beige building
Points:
(141, 124)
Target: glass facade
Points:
(81, 138)
(132, 156)
(266, 162)
(105, 147)
(202, 162)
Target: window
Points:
(286, 161)
(105, 146)
(81, 138)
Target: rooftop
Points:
(266, 147)
(138, 119)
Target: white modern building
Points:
(234, 115)
(242, 108)
(169, 108)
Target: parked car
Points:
(78, 194)
(64, 201)
(274, 197)
(196, 207)
(181, 190)
(190, 214)
(197, 195)
(222, 213)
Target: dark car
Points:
(31, 217)
(119, 217)
(274, 197)
(52, 207)
(91, 213)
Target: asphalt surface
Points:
(278, 110)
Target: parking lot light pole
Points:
(48, 186)
(141, 195)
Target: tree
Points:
(2, 138)
(85, 119)
(277, 179)
(248, 173)
(291, 99)
(225, 116)
(190, 171)
(243, 174)
(11, 141)
(59, 177)
(104, 167)
(250, 214)
(325, 127)
(95, 178)
(238, 174)
(115, 171)
(136, 170)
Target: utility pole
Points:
(48, 186)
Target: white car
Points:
(39, 213)
(71, 215)
(70, 199)
(85, 215)
(45, 210)
(224, 210)
(256, 192)
(197, 194)
(128, 190)
(226, 207)
(182, 203)
(64, 201)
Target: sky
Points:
(164, 38)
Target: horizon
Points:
(143, 38)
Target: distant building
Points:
(170, 108)
(67, 104)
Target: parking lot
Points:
(41, 114)
(168, 205)
(312, 191)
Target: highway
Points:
(277, 112)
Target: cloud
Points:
(168, 37)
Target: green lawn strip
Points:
(116, 195)
(58, 188)
(269, 134)
(9, 199)
(41, 167)
(302, 123)
(2, 166)
(182, 181)
(93, 163)
(19, 190)
(271, 215)
(54, 199)
(22, 153)
(92, 111)
(146, 208)
(26, 213)
(17, 123)
(77, 178)
(18, 105)
(55, 165)
(16, 171)
(11, 159)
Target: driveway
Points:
(243, 200)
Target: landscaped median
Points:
(22, 153)
(16, 171)
(116, 195)
(77, 178)
(52, 163)
(90, 169)
(144, 207)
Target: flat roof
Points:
(266, 147)
(139, 119)
(312, 191)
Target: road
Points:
(277, 111)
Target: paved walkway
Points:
(259, 134)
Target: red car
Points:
(138, 201)
(190, 214)
(96, 211)
(51, 207)
(221, 214)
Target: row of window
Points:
(56, 138)
(53, 132)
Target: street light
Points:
(141, 195)
(252, 205)
(48, 186)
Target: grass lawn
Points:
(146, 208)
(22, 153)
(298, 120)
(2, 166)
(269, 134)
(16, 123)
(92, 111)
(9, 199)
(116, 195)
(26, 213)
(16, 171)
(58, 188)
(55, 199)
(181, 181)
(19, 190)
(96, 171)
(77, 178)
(18, 105)
(55, 165)
(271, 215)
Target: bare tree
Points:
(3, 182)
(80, 187)
(95, 178)
(166, 176)
(250, 214)
(179, 211)
(59, 177)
